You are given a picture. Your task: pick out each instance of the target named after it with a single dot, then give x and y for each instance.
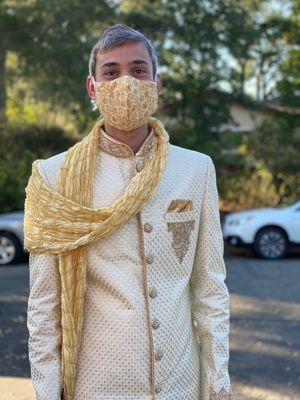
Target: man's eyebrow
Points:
(114, 64)
(138, 62)
(109, 64)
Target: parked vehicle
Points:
(269, 231)
(11, 237)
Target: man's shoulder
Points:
(190, 158)
(48, 168)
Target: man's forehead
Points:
(129, 53)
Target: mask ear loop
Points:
(93, 80)
(93, 101)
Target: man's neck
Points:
(133, 139)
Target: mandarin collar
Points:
(117, 148)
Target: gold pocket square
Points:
(180, 229)
(180, 205)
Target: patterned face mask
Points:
(126, 102)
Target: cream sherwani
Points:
(156, 313)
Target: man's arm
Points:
(44, 317)
(44, 326)
(210, 297)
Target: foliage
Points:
(52, 41)
(20, 147)
(289, 84)
(254, 188)
(275, 146)
(207, 49)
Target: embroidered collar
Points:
(120, 149)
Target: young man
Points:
(127, 294)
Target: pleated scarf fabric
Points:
(63, 222)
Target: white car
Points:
(11, 237)
(269, 231)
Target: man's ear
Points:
(159, 82)
(90, 87)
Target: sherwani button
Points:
(158, 355)
(152, 292)
(148, 227)
(149, 258)
(139, 165)
(155, 323)
(158, 388)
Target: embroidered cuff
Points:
(222, 395)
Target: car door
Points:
(295, 224)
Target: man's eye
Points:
(140, 71)
(109, 73)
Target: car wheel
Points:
(10, 249)
(270, 243)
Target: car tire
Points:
(270, 243)
(10, 249)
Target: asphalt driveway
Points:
(264, 338)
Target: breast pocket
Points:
(180, 225)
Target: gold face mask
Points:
(126, 102)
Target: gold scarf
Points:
(64, 223)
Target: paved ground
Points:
(264, 340)
(265, 327)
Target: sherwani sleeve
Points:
(210, 296)
(44, 325)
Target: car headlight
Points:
(241, 221)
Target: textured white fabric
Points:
(145, 288)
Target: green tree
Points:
(52, 40)
(20, 147)
(289, 84)
(276, 147)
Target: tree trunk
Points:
(2, 87)
(243, 75)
